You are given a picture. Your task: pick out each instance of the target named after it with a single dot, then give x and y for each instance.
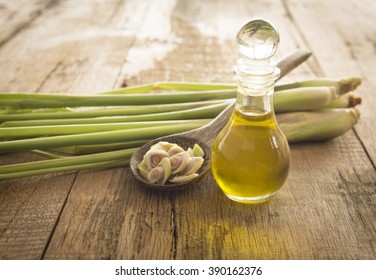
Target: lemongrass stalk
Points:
(69, 168)
(305, 98)
(190, 86)
(53, 130)
(43, 100)
(6, 111)
(94, 138)
(66, 161)
(343, 85)
(347, 100)
(89, 149)
(210, 111)
(317, 125)
(123, 111)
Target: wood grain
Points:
(326, 210)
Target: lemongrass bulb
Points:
(153, 158)
(194, 164)
(179, 162)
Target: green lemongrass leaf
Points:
(90, 149)
(94, 138)
(67, 161)
(186, 86)
(43, 100)
(53, 130)
(210, 111)
(68, 168)
(94, 113)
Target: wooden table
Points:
(326, 210)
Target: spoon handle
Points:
(208, 133)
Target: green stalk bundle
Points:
(79, 132)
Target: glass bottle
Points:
(251, 156)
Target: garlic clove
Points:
(153, 157)
(183, 178)
(175, 150)
(179, 162)
(194, 164)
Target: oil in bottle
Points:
(250, 156)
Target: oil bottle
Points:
(251, 156)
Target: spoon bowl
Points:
(203, 136)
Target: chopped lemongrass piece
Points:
(183, 178)
(198, 151)
(181, 164)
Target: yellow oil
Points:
(250, 157)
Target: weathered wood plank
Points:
(69, 48)
(29, 211)
(107, 216)
(15, 16)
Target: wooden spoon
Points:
(203, 136)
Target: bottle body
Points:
(251, 156)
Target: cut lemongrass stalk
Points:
(347, 100)
(343, 85)
(93, 113)
(305, 98)
(317, 125)
(67, 161)
(53, 130)
(68, 168)
(94, 138)
(210, 111)
(89, 149)
(42, 100)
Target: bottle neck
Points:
(255, 86)
(259, 104)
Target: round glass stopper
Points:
(257, 40)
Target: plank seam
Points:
(173, 228)
(58, 219)
(364, 149)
